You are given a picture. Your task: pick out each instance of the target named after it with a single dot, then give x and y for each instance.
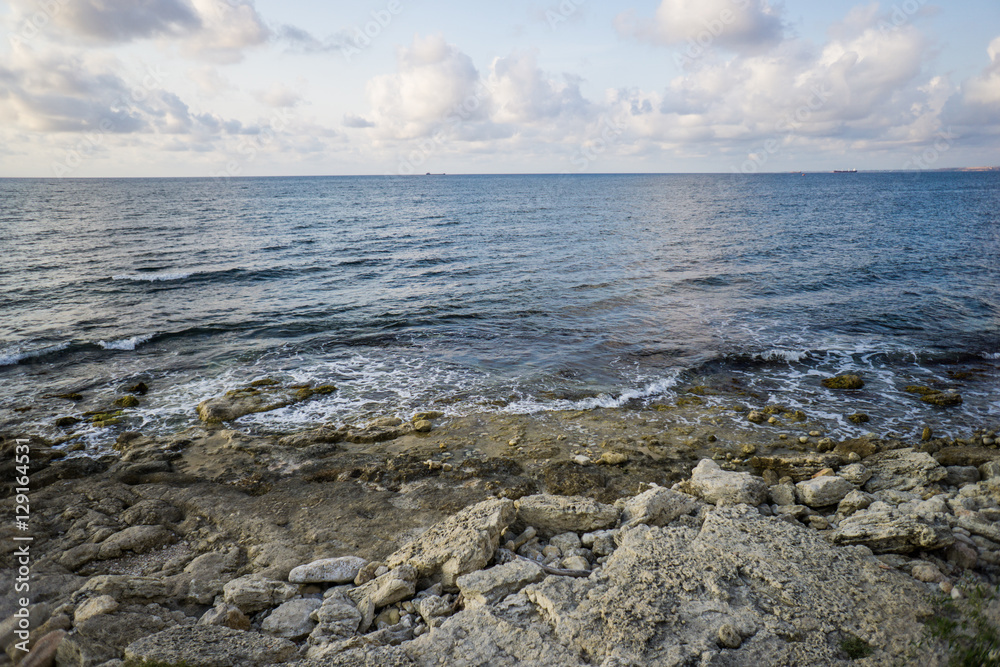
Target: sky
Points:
(198, 88)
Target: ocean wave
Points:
(650, 390)
(153, 277)
(991, 355)
(125, 343)
(14, 355)
(778, 354)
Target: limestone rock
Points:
(211, 646)
(151, 512)
(241, 402)
(252, 593)
(338, 618)
(713, 484)
(137, 539)
(328, 570)
(942, 399)
(102, 604)
(656, 507)
(889, 531)
(961, 475)
(494, 584)
(902, 469)
(855, 473)
(434, 609)
(783, 494)
(124, 587)
(226, 615)
(460, 544)
(796, 467)
(291, 620)
(551, 515)
(966, 456)
(395, 585)
(823, 491)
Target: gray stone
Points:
(566, 541)
(151, 512)
(338, 618)
(888, 531)
(211, 646)
(902, 469)
(977, 524)
(855, 473)
(713, 484)
(434, 609)
(123, 587)
(656, 507)
(989, 470)
(458, 545)
(395, 585)
(328, 570)
(252, 593)
(961, 475)
(226, 615)
(823, 491)
(292, 619)
(783, 494)
(728, 637)
(494, 584)
(238, 404)
(135, 539)
(551, 515)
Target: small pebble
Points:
(803, 439)
(581, 460)
(815, 434)
(988, 441)
(782, 437)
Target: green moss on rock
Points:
(127, 402)
(844, 382)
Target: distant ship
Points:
(845, 171)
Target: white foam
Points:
(125, 343)
(991, 355)
(778, 354)
(152, 277)
(14, 355)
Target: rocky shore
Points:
(668, 535)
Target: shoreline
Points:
(159, 528)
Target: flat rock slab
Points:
(889, 531)
(328, 571)
(211, 646)
(135, 539)
(291, 620)
(655, 507)
(823, 491)
(552, 515)
(252, 593)
(494, 584)
(902, 469)
(458, 545)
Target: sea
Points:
(511, 293)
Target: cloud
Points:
(434, 81)
(984, 90)
(524, 94)
(114, 21)
(350, 120)
(739, 25)
(277, 96)
(214, 30)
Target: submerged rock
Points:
(942, 399)
(848, 381)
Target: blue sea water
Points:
(516, 293)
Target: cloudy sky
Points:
(290, 87)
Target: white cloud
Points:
(277, 96)
(434, 82)
(523, 93)
(984, 90)
(228, 28)
(740, 25)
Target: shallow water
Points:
(517, 293)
